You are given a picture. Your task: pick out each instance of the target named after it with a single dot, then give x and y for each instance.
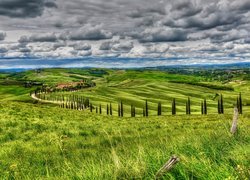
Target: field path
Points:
(41, 100)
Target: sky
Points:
(123, 33)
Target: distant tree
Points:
(119, 110)
(159, 110)
(132, 113)
(219, 107)
(240, 104)
(146, 108)
(110, 109)
(107, 109)
(122, 109)
(188, 106)
(91, 107)
(202, 107)
(221, 104)
(205, 106)
(100, 109)
(173, 107)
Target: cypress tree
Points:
(186, 107)
(219, 107)
(132, 113)
(202, 108)
(159, 109)
(100, 109)
(110, 109)
(87, 102)
(189, 106)
(205, 106)
(221, 104)
(174, 107)
(107, 109)
(91, 108)
(240, 104)
(146, 108)
(121, 109)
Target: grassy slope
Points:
(133, 87)
(42, 141)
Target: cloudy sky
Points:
(123, 33)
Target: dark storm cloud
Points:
(228, 36)
(224, 14)
(105, 46)
(127, 27)
(209, 22)
(2, 36)
(89, 32)
(161, 35)
(47, 37)
(148, 11)
(185, 8)
(24, 8)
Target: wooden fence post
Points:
(167, 166)
(235, 121)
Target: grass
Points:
(133, 87)
(42, 141)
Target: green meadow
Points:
(43, 141)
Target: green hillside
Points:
(43, 141)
